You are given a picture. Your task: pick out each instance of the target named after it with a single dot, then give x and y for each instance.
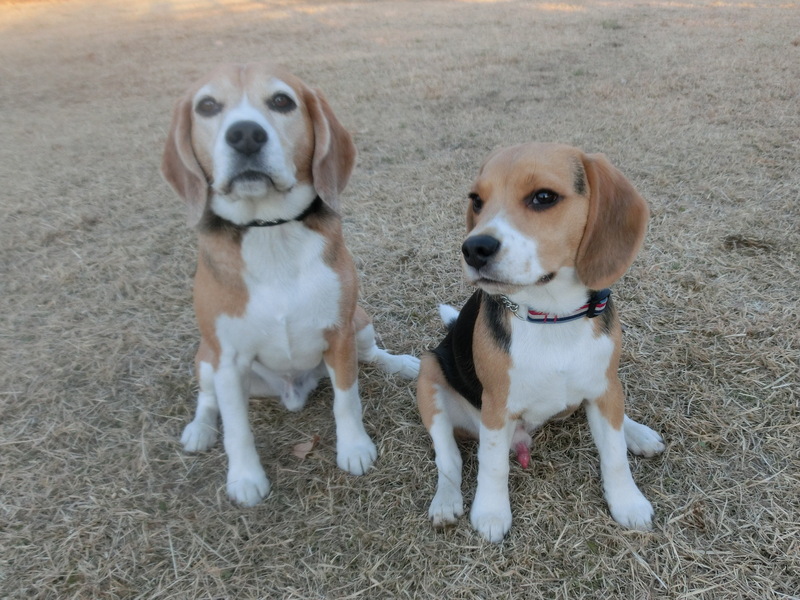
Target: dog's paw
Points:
(198, 436)
(248, 489)
(446, 507)
(408, 366)
(356, 457)
(404, 365)
(493, 525)
(642, 440)
(633, 511)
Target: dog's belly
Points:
(293, 299)
(555, 370)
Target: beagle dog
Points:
(260, 159)
(549, 229)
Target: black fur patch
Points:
(455, 352)
(497, 321)
(607, 316)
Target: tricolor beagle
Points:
(260, 159)
(549, 228)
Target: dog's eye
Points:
(477, 203)
(208, 107)
(542, 199)
(281, 103)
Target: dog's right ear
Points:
(179, 164)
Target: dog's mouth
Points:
(498, 286)
(249, 178)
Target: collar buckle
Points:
(510, 305)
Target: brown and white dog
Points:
(261, 159)
(548, 228)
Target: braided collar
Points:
(595, 306)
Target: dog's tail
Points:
(448, 315)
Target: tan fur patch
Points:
(341, 354)
(430, 376)
(361, 319)
(492, 365)
(612, 403)
(218, 285)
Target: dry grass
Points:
(697, 101)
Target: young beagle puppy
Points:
(549, 228)
(261, 160)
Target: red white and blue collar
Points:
(595, 306)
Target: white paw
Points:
(248, 489)
(493, 525)
(633, 511)
(409, 366)
(356, 457)
(446, 507)
(642, 440)
(198, 436)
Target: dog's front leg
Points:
(491, 510)
(247, 482)
(355, 451)
(606, 416)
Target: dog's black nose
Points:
(246, 137)
(478, 249)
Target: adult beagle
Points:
(261, 160)
(549, 228)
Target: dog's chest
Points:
(293, 298)
(555, 367)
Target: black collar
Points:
(312, 208)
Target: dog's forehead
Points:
(524, 168)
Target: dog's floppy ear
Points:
(334, 151)
(179, 164)
(615, 227)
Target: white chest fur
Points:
(555, 367)
(293, 298)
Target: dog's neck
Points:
(214, 222)
(595, 305)
(312, 208)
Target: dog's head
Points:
(543, 217)
(255, 133)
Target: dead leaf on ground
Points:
(302, 450)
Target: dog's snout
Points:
(479, 249)
(246, 137)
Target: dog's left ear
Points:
(334, 151)
(615, 227)
(179, 164)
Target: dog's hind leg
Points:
(404, 365)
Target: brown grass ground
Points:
(697, 101)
